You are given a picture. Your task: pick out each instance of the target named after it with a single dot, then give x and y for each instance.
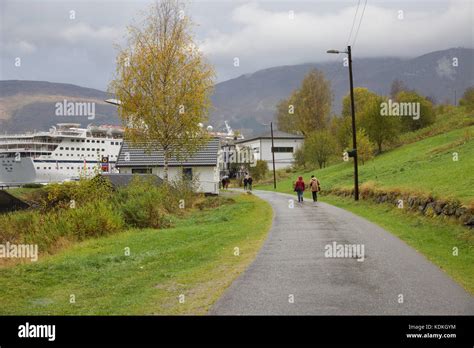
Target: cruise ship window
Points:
(37, 167)
(83, 141)
(61, 148)
(49, 168)
(44, 167)
(67, 148)
(83, 149)
(103, 149)
(88, 141)
(103, 142)
(72, 140)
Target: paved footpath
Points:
(292, 276)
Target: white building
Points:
(285, 145)
(202, 165)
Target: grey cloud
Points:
(80, 51)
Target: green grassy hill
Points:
(423, 166)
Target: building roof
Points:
(120, 179)
(276, 135)
(139, 157)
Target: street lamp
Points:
(352, 153)
(115, 102)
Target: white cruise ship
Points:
(65, 153)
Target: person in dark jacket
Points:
(249, 182)
(299, 188)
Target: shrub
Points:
(145, 210)
(259, 171)
(144, 204)
(14, 225)
(467, 99)
(32, 185)
(94, 219)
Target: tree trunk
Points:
(165, 167)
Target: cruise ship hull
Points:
(15, 172)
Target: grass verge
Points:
(196, 259)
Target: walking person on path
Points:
(315, 187)
(249, 182)
(246, 181)
(299, 188)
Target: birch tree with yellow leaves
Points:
(164, 84)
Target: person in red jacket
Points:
(299, 188)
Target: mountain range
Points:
(248, 101)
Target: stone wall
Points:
(424, 204)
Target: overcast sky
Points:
(261, 34)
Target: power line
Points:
(361, 17)
(353, 22)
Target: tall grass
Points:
(76, 211)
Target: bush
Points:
(32, 185)
(13, 226)
(99, 210)
(145, 210)
(260, 170)
(94, 219)
(62, 195)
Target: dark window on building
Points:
(141, 170)
(188, 173)
(283, 149)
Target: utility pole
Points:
(353, 152)
(354, 131)
(273, 158)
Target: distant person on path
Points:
(299, 188)
(246, 181)
(225, 182)
(315, 187)
(249, 183)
